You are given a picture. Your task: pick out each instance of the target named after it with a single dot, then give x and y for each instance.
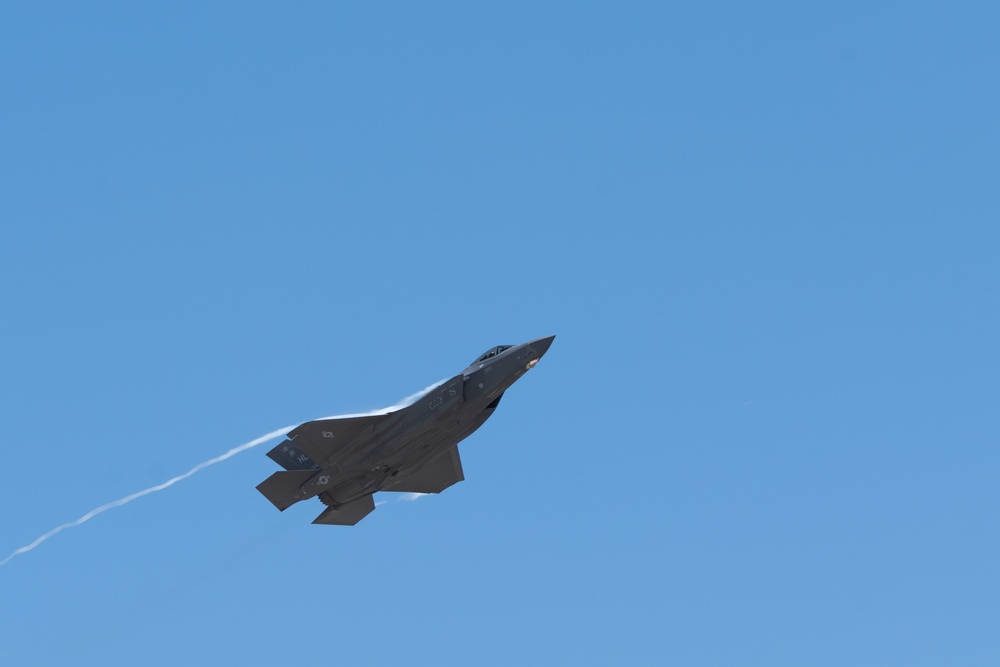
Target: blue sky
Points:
(765, 235)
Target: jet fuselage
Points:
(345, 460)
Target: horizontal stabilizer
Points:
(347, 514)
(282, 488)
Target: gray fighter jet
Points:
(415, 449)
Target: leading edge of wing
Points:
(314, 442)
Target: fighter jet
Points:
(343, 461)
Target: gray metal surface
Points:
(343, 461)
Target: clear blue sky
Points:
(766, 235)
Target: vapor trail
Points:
(201, 466)
(145, 492)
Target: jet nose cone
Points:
(541, 345)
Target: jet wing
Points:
(321, 440)
(435, 476)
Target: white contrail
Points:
(145, 492)
(201, 466)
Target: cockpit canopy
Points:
(492, 352)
